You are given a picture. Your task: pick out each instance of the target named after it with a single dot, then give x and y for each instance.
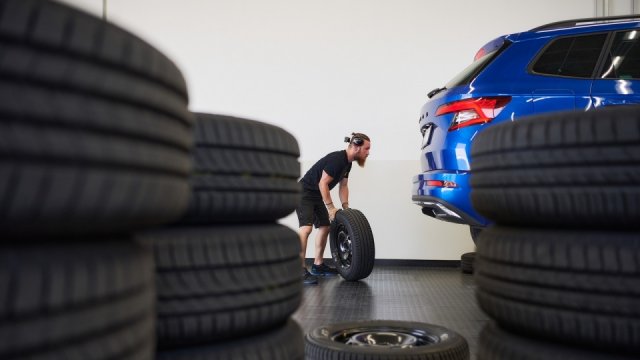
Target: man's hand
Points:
(345, 205)
(332, 211)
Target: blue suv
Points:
(576, 65)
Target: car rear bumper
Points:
(450, 204)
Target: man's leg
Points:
(304, 233)
(321, 244)
(319, 268)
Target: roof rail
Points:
(576, 22)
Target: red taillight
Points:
(473, 111)
(479, 54)
(441, 183)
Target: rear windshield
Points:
(471, 71)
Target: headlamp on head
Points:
(355, 140)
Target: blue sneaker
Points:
(323, 270)
(308, 279)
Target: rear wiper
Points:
(433, 92)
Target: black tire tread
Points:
(65, 31)
(94, 126)
(244, 170)
(561, 170)
(220, 282)
(285, 342)
(467, 261)
(497, 344)
(104, 290)
(574, 286)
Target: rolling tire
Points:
(77, 301)
(572, 286)
(245, 171)
(353, 340)
(95, 134)
(466, 262)
(497, 344)
(352, 245)
(217, 283)
(281, 343)
(570, 169)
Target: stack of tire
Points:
(466, 262)
(95, 140)
(228, 276)
(560, 270)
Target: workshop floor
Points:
(441, 296)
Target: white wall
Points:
(322, 69)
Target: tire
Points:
(431, 341)
(475, 232)
(77, 301)
(496, 344)
(572, 286)
(95, 132)
(245, 171)
(281, 343)
(571, 169)
(224, 282)
(466, 262)
(352, 245)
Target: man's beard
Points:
(361, 161)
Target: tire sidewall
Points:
(341, 221)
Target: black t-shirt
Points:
(336, 164)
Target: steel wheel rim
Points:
(386, 337)
(344, 250)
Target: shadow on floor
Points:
(432, 295)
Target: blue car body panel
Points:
(445, 157)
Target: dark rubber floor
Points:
(441, 296)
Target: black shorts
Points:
(311, 210)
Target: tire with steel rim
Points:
(385, 340)
(352, 245)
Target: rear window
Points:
(623, 59)
(571, 56)
(471, 71)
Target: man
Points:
(317, 208)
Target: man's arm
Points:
(344, 193)
(323, 185)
